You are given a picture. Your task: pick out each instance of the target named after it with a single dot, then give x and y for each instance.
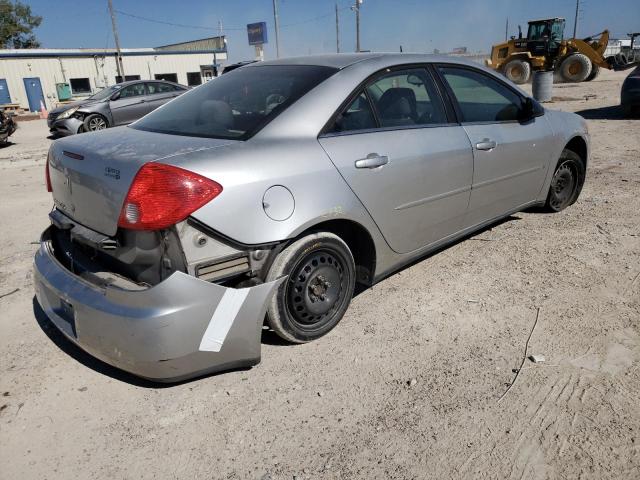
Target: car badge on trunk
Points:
(112, 172)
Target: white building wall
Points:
(100, 70)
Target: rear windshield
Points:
(236, 105)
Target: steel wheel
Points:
(315, 287)
(321, 279)
(566, 182)
(563, 184)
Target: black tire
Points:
(321, 279)
(566, 183)
(595, 71)
(94, 122)
(576, 68)
(518, 71)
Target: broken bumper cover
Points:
(181, 328)
(65, 126)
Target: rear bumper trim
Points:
(181, 328)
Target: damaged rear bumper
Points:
(180, 328)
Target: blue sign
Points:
(257, 33)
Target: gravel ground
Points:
(406, 387)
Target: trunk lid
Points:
(91, 173)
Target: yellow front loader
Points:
(544, 48)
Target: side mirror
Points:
(529, 110)
(115, 96)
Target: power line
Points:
(183, 25)
(238, 28)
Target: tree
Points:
(17, 24)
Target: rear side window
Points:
(406, 98)
(480, 97)
(401, 98)
(236, 105)
(357, 116)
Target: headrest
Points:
(397, 102)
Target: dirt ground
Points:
(408, 384)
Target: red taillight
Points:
(48, 176)
(162, 195)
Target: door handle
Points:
(486, 144)
(373, 160)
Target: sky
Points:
(308, 26)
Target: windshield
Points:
(107, 92)
(236, 105)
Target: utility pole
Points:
(337, 30)
(356, 8)
(275, 20)
(575, 21)
(119, 65)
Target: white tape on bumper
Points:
(222, 319)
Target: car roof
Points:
(344, 60)
(133, 82)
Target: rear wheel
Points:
(566, 183)
(518, 71)
(575, 68)
(319, 287)
(94, 122)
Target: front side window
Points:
(406, 98)
(236, 105)
(480, 97)
(106, 93)
(132, 90)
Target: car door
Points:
(404, 157)
(160, 93)
(509, 160)
(129, 104)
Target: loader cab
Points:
(544, 36)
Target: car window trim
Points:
(451, 120)
(387, 129)
(454, 100)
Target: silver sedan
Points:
(276, 189)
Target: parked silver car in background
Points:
(120, 104)
(277, 188)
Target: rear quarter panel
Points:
(247, 170)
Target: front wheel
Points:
(566, 183)
(319, 287)
(518, 71)
(94, 122)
